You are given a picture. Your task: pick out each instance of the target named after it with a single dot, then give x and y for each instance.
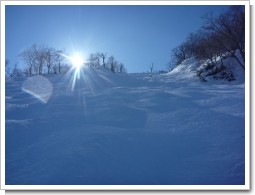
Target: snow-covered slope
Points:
(123, 129)
(186, 70)
(195, 69)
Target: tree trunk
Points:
(239, 62)
(59, 68)
(103, 62)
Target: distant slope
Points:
(124, 129)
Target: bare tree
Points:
(230, 30)
(151, 67)
(49, 54)
(58, 58)
(219, 36)
(121, 69)
(180, 53)
(111, 63)
(35, 58)
(41, 57)
(26, 72)
(7, 68)
(94, 60)
(103, 56)
(16, 72)
(171, 64)
(116, 65)
(29, 58)
(97, 60)
(12, 71)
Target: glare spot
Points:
(77, 61)
(75, 72)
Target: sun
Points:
(77, 71)
(77, 61)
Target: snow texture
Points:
(139, 129)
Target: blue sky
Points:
(136, 35)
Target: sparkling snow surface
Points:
(126, 129)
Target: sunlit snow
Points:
(146, 129)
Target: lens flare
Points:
(39, 87)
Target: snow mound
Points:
(223, 69)
(187, 69)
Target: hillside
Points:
(223, 70)
(124, 129)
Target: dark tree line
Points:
(219, 36)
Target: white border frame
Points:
(131, 187)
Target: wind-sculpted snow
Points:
(125, 129)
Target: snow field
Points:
(155, 129)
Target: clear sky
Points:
(136, 35)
